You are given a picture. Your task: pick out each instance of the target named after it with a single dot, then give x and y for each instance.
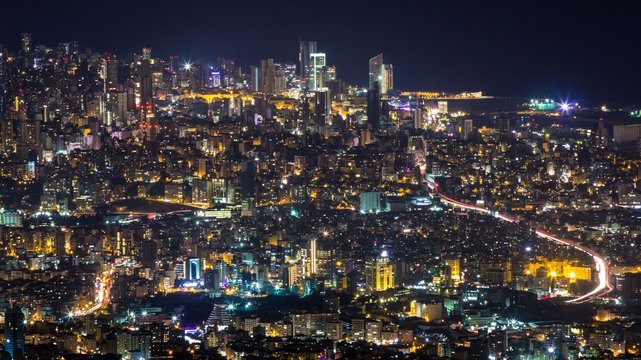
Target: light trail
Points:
(103, 285)
(602, 288)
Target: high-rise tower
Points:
(306, 49)
(14, 332)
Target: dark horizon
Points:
(575, 51)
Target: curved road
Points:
(603, 287)
(103, 287)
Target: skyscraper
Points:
(110, 72)
(306, 48)
(146, 91)
(149, 254)
(316, 75)
(255, 81)
(374, 106)
(381, 73)
(14, 332)
(267, 74)
(248, 180)
(468, 126)
(26, 43)
(313, 268)
(388, 78)
(382, 273)
(323, 107)
(375, 70)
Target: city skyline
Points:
(547, 50)
(227, 181)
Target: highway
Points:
(103, 286)
(603, 286)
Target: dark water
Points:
(481, 106)
(484, 110)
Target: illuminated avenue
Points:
(603, 286)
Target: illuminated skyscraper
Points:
(381, 276)
(26, 43)
(312, 257)
(267, 74)
(316, 75)
(452, 271)
(306, 48)
(193, 268)
(381, 73)
(14, 332)
(466, 128)
(388, 78)
(146, 91)
(375, 70)
(255, 81)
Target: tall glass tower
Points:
(14, 332)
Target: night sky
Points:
(577, 50)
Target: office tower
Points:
(292, 274)
(149, 254)
(248, 180)
(312, 257)
(380, 276)
(26, 43)
(631, 288)
(375, 71)
(174, 64)
(306, 48)
(255, 80)
(14, 332)
(215, 79)
(418, 118)
(7, 135)
(228, 71)
(3, 79)
(601, 135)
(316, 77)
(388, 78)
(212, 279)
(468, 126)
(505, 126)
(146, 90)
(323, 107)
(374, 109)
(193, 268)
(110, 72)
(121, 115)
(380, 73)
(452, 271)
(151, 124)
(60, 243)
(268, 76)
